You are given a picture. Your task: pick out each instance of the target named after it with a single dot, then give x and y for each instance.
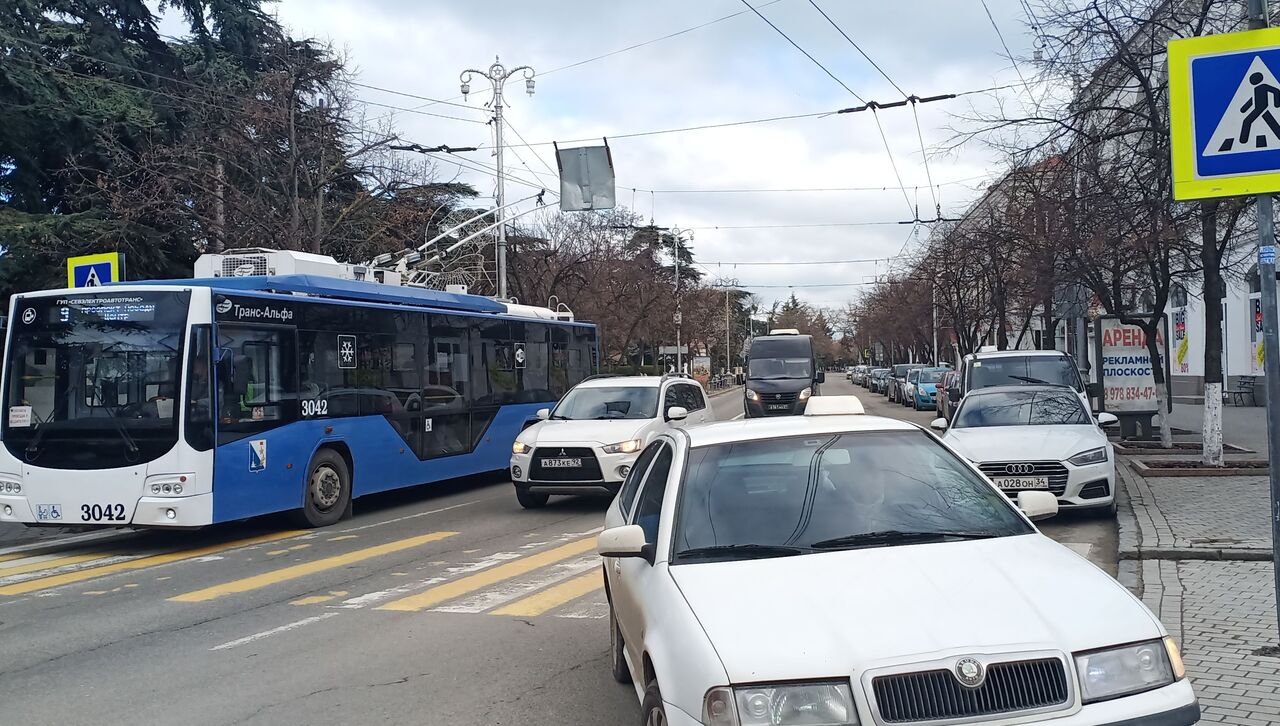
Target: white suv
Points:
(588, 442)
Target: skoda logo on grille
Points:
(777, 395)
(970, 672)
(1019, 468)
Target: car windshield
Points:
(812, 493)
(764, 368)
(1021, 408)
(931, 376)
(1033, 369)
(608, 402)
(93, 379)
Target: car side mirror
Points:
(677, 413)
(822, 377)
(1038, 505)
(543, 414)
(938, 424)
(1093, 390)
(1107, 419)
(625, 541)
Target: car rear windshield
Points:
(801, 491)
(1021, 408)
(599, 402)
(1018, 370)
(931, 376)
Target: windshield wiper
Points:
(1036, 381)
(33, 447)
(558, 417)
(744, 549)
(893, 536)
(130, 445)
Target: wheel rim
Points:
(656, 717)
(325, 488)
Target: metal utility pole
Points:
(498, 75)
(726, 332)
(934, 304)
(1259, 18)
(675, 244)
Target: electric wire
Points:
(1008, 53)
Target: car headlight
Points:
(752, 395)
(1092, 456)
(629, 446)
(791, 704)
(520, 447)
(1129, 669)
(804, 395)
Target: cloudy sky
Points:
(731, 70)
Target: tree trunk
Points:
(1048, 338)
(319, 223)
(1149, 328)
(219, 242)
(1213, 374)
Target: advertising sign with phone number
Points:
(1128, 380)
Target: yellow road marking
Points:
(13, 556)
(312, 600)
(95, 592)
(306, 568)
(302, 546)
(554, 597)
(450, 590)
(273, 553)
(44, 583)
(49, 564)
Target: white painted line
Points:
(590, 609)
(73, 539)
(87, 564)
(411, 516)
(274, 631)
(505, 592)
(456, 571)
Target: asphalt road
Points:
(447, 604)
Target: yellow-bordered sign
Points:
(95, 270)
(1224, 112)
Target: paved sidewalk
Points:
(1197, 551)
(1241, 425)
(1217, 518)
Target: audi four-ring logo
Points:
(1019, 468)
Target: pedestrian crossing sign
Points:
(1224, 113)
(95, 270)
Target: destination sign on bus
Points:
(114, 309)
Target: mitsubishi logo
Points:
(562, 452)
(1019, 468)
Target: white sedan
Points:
(1037, 438)
(838, 568)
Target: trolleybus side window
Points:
(256, 390)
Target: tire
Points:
(617, 661)
(531, 500)
(915, 405)
(1107, 512)
(652, 712)
(327, 496)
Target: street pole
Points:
(933, 299)
(498, 75)
(726, 332)
(675, 242)
(1258, 18)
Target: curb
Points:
(1140, 467)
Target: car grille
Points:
(784, 397)
(589, 471)
(1056, 472)
(937, 695)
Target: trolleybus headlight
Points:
(177, 488)
(8, 511)
(155, 488)
(171, 514)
